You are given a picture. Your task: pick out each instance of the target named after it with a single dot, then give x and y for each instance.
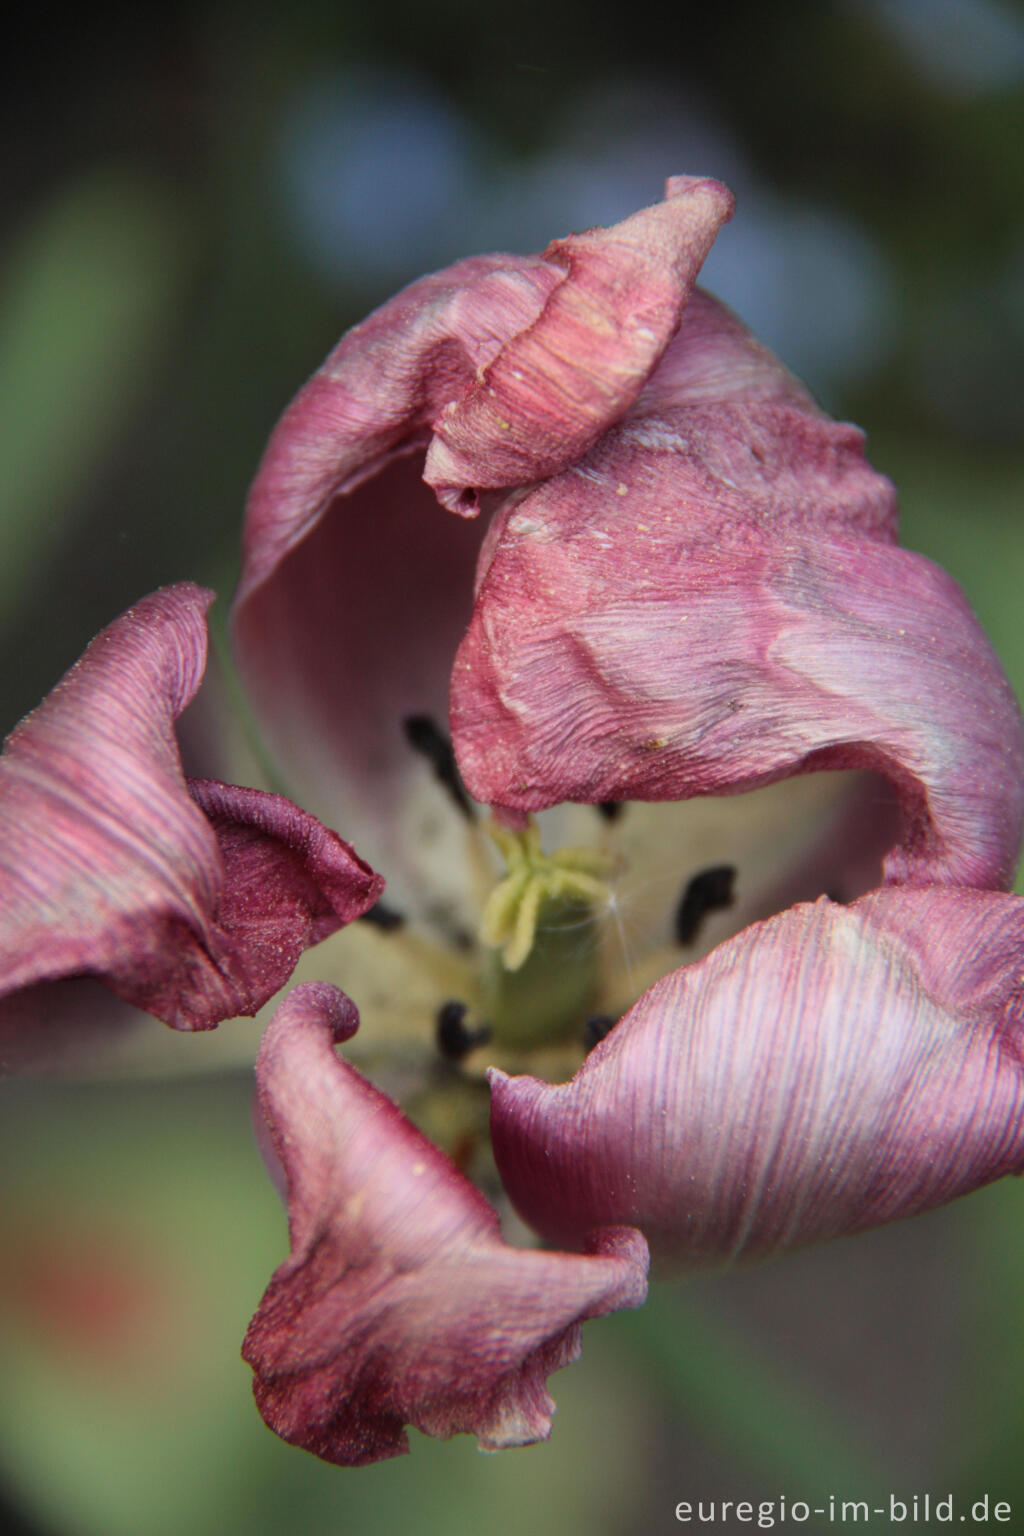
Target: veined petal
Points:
(563, 343)
(488, 374)
(711, 601)
(400, 1304)
(192, 901)
(355, 587)
(827, 1070)
(747, 440)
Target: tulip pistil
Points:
(539, 924)
(535, 880)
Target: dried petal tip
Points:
(557, 386)
(400, 1303)
(484, 377)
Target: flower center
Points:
(535, 880)
(492, 951)
(542, 916)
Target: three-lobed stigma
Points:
(533, 880)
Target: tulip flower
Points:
(669, 576)
(190, 899)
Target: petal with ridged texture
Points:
(400, 1303)
(192, 900)
(496, 371)
(355, 587)
(711, 601)
(824, 1071)
(555, 388)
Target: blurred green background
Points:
(196, 201)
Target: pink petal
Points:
(400, 1303)
(355, 591)
(356, 630)
(825, 1071)
(376, 395)
(192, 901)
(549, 395)
(355, 588)
(711, 601)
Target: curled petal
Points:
(548, 395)
(488, 374)
(711, 601)
(825, 1071)
(560, 344)
(400, 1304)
(192, 900)
(355, 588)
(376, 395)
(745, 438)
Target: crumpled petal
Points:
(194, 900)
(711, 600)
(376, 395)
(400, 1303)
(493, 372)
(550, 394)
(824, 1071)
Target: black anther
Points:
(454, 1038)
(386, 918)
(596, 1027)
(425, 736)
(611, 810)
(706, 892)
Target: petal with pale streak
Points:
(824, 1071)
(192, 900)
(400, 1304)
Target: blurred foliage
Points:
(156, 311)
(87, 298)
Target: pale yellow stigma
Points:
(571, 876)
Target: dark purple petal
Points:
(192, 902)
(828, 1070)
(400, 1304)
(711, 601)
